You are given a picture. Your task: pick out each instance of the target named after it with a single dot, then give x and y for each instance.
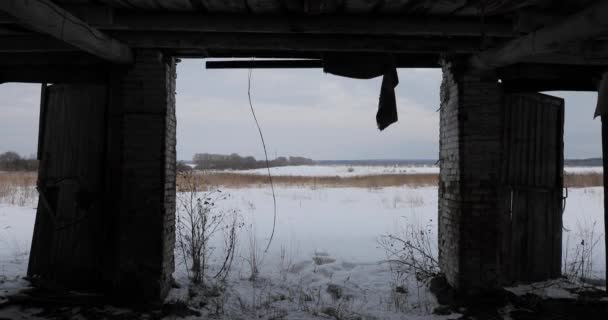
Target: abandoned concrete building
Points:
(106, 214)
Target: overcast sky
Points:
(302, 112)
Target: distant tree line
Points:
(12, 161)
(236, 162)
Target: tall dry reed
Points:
(18, 188)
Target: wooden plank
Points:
(525, 142)
(496, 7)
(265, 64)
(585, 25)
(54, 74)
(523, 135)
(551, 146)
(41, 121)
(556, 233)
(532, 146)
(360, 6)
(604, 119)
(539, 150)
(120, 4)
(152, 4)
(535, 156)
(251, 42)
(72, 161)
(164, 4)
(544, 156)
(514, 146)
(510, 135)
(313, 7)
(34, 43)
(537, 143)
(323, 25)
(264, 6)
(521, 235)
(47, 18)
(444, 7)
(33, 59)
(229, 6)
(506, 128)
(531, 235)
(538, 232)
(394, 6)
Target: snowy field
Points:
(341, 170)
(349, 171)
(325, 257)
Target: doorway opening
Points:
(348, 196)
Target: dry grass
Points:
(583, 180)
(237, 180)
(18, 188)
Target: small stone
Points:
(335, 291)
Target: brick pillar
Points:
(142, 170)
(470, 153)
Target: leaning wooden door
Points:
(532, 180)
(68, 239)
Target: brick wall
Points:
(449, 177)
(470, 153)
(170, 188)
(142, 153)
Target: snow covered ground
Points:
(339, 229)
(349, 171)
(341, 170)
(583, 169)
(325, 256)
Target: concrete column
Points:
(470, 153)
(141, 161)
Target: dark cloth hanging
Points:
(601, 109)
(368, 66)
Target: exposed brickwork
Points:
(170, 188)
(470, 153)
(144, 122)
(449, 182)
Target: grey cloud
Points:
(302, 112)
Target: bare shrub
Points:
(199, 220)
(411, 256)
(412, 260)
(578, 265)
(256, 255)
(412, 252)
(285, 262)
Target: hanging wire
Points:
(274, 199)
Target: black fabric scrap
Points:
(368, 66)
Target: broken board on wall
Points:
(67, 245)
(532, 182)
